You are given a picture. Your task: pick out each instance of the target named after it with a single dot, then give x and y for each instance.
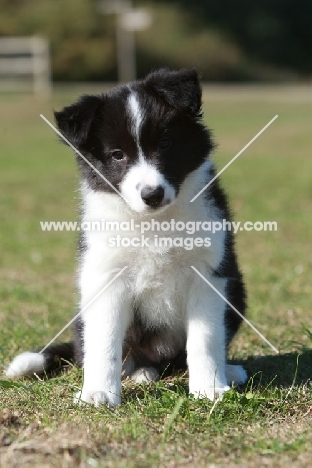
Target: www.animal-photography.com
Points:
(155, 265)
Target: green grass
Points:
(267, 422)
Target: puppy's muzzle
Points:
(153, 196)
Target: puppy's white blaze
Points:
(136, 116)
(142, 174)
(139, 176)
(26, 364)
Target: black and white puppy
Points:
(148, 140)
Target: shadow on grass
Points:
(273, 371)
(281, 370)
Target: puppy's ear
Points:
(180, 89)
(74, 121)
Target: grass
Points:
(268, 421)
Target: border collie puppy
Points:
(148, 140)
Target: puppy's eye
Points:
(164, 143)
(118, 155)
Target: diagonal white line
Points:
(235, 310)
(83, 309)
(233, 159)
(81, 155)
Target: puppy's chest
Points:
(159, 275)
(152, 269)
(157, 283)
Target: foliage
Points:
(81, 40)
(276, 32)
(226, 40)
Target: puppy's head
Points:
(144, 138)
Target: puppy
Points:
(144, 153)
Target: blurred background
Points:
(110, 40)
(255, 61)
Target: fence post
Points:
(23, 56)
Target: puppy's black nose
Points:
(152, 196)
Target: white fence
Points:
(24, 60)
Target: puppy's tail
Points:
(30, 362)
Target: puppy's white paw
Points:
(145, 375)
(97, 398)
(212, 393)
(235, 374)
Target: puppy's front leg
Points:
(105, 322)
(206, 353)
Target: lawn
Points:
(268, 422)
